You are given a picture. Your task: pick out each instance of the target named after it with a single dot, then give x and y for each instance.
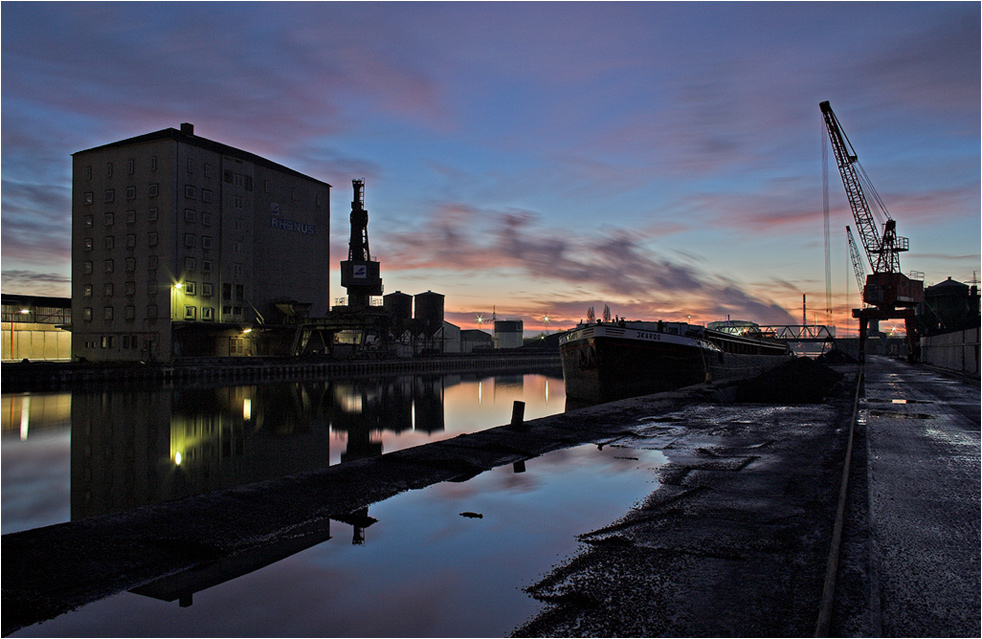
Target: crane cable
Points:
(825, 208)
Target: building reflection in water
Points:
(130, 448)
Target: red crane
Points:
(890, 293)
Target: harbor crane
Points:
(889, 293)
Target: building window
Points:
(87, 267)
(153, 189)
(237, 224)
(189, 191)
(151, 287)
(237, 202)
(207, 195)
(130, 240)
(190, 312)
(207, 170)
(87, 221)
(189, 240)
(107, 290)
(206, 241)
(152, 238)
(237, 270)
(226, 291)
(152, 213)
(108, 313)
(110, 195)
(131, 166)
(190, 165)
(293, 194)
(87, 243)
(130, 217)
(206, 219)
(129, 313)
(266, 186)
(151, 311)
(190, 288)
(130, 264)
(108, 266)
(87, 313)
(109, 218)
(152, 261)
(153, 162)
(240, 292)
(189, 264)
(88, 172)
(207, 289)
(226, 310)
(189, 215)
(107, 341)
(87, 290)
(88, 197)
(206, 266)
(107, 242)
(109, 169)
(131, 193)
(130, 288)
(207, 313)
(237, 247)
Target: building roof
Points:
(186, 136)
(34, 300)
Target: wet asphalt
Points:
(734, 542)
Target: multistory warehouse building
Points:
(182, 245)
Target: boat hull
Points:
(606, 363)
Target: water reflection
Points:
(131, 448)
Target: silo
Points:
(399, 305)
(508, 333)
(429, 311)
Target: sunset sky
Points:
(534, 158)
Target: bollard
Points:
(519, 466)
(518, 416)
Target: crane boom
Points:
(857, 260)
(882, 251)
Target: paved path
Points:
(923, 475)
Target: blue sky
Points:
(534, 158)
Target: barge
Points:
(605, 361)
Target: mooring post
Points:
(517, 416)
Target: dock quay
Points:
(33, 376)
(736, 538)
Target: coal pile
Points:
(797, 381)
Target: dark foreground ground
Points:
(735, 542)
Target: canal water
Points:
(448, 560)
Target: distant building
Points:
(508, 333)
(180, 245)
(34, 328)
(474, 340)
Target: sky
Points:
(530, 160)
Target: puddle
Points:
(881, 400)
(449, 560)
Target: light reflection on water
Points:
(129, 448)
(420, 570)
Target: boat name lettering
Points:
(651, 336)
